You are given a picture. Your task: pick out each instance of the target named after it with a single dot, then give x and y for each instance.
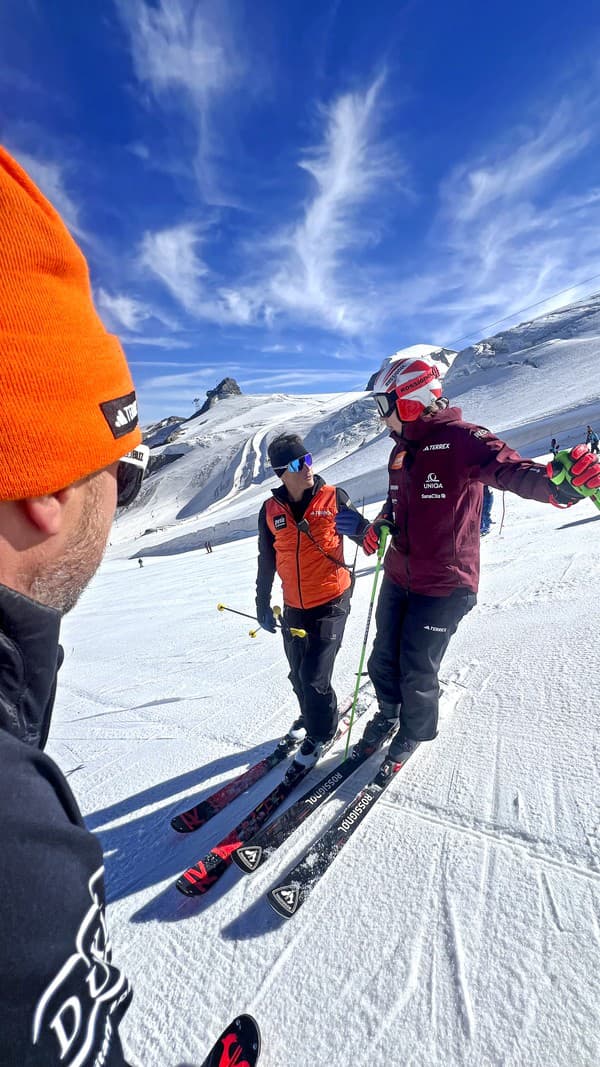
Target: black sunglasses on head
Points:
(130, 474)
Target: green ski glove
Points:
(574, 473)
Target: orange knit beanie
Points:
(67, 403)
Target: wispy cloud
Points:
(349, 167)
(172, 256)
(505, 235)
(157, 342)
(50, 177)
(516, 170)
(184, 55)
(122, 311)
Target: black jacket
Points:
(61, 998)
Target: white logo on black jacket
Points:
(76, 1007)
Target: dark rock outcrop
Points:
(226, 387)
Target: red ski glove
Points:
(371, 540)
(373, 534)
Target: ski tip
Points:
(178, 824)
(285, 900)
(190, 889)
(248, 858)
(184, 887)
(238, 1044)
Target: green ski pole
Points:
(380, 553)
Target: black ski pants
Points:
(311, 661)
(413, 633)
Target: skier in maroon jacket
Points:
(437, 470)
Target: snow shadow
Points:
(144, 850)
(172, 906)
(259, 919)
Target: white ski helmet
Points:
(407, 385)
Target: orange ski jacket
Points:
(308, 577)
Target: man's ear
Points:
(46, 513)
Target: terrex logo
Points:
(126, 415)
(121, 414)
(436, 448)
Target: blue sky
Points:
(286, 191)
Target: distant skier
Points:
(486, 511)
(298, 539)
(591, 439)
(208, 547)
(554, 446)
(140, 561)
(436, 470)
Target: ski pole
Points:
(293, 630)
(380, 553)
(244, 614)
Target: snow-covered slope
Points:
(460, 927)
(218, 472)
(535, 381)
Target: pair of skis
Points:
(199, 814)
(202, 875)
(288, 896)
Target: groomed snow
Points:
(461, 925)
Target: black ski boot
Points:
(377, 729)
(399, 751)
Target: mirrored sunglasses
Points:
(130, 474)
(386, 403)
(298, 464)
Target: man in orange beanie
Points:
(70, 453)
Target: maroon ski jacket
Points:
(436, 470)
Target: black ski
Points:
(199, 814)
(252, 855)
(197, 879)
(238, 1045)
(288, 896)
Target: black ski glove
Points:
(266, 619)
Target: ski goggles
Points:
(130, 474)
(295, 465)
(386, 403)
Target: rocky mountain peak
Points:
(226, 387)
